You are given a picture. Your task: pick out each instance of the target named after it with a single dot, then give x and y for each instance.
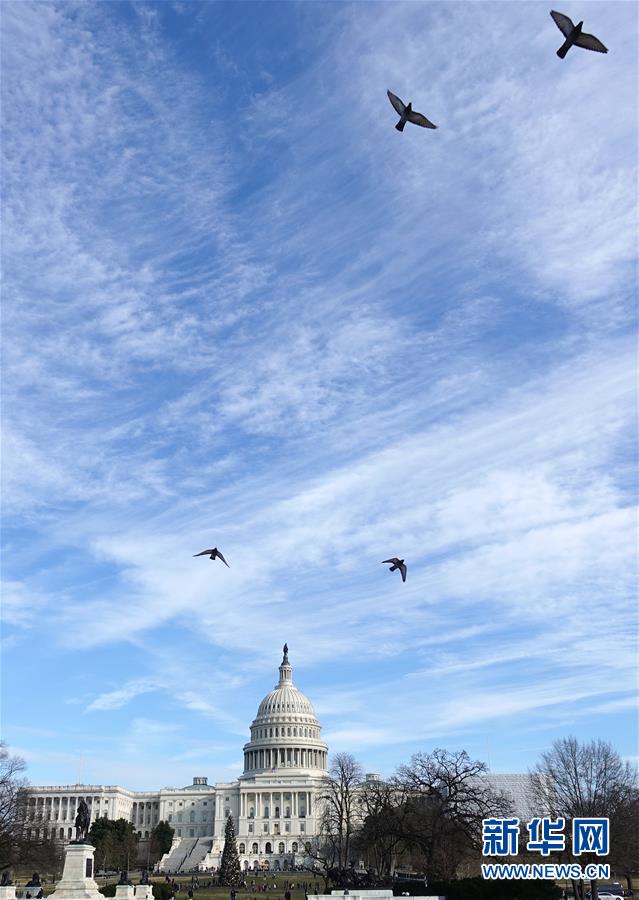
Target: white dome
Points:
(285, 699)
(286, 732)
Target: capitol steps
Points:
(175, 859)
(186, 855)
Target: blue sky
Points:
(241, 309)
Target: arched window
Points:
(268, 848)
(307, 846)
(280, 848)
(277, 812)
(242, 848)
(254, 848)
(62, 834)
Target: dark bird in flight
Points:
(407, 114)
(574, 35)
(212, 553)
(396, 564)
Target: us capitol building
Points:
(273, 803)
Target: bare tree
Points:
(18, 844)
(381, 837)
(589, 780)
(446, 797)
(341, 801)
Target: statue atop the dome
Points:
(285, 653)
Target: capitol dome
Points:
(285, 734)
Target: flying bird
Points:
(212, 553)
(407, 114)
(396, 564)
(574, 35)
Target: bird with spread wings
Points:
(575, 36)
(407, 114)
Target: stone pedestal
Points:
(8, 892)
(125, 892)
(77, 882)
(143, 892)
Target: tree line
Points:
(427, 817)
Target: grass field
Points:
(282, 880)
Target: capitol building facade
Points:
(274, 803)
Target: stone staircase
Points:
(186, 855)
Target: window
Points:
(179, 817)
(250, 828)
(287, 827)
(266, 828)
(268, 848)
(192, 817)
(191, 832)
(302, 827)
(294, 847)
(204, 803)
(254, 848)
(242, 848)
(170, 817)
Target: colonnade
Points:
(262, 804)
(282, 757)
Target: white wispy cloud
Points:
(241, 308)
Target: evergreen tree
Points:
(230, 871)
(161, 840)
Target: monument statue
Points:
(82, 822)
(6, 879)
(35, 881)
(145, 876)
(285, 649)
(124, 877)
